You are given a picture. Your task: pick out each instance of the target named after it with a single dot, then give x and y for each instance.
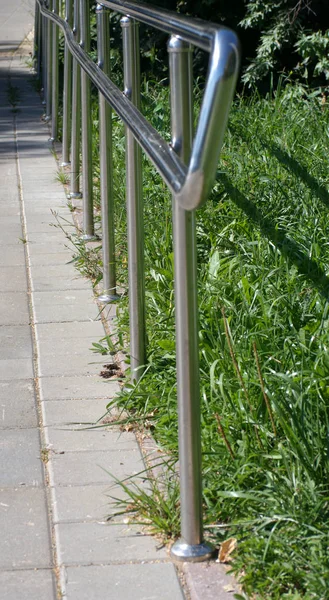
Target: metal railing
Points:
(187, 165)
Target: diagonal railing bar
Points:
(191, 184)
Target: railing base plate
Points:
(108, 298)
(87, 237)
(191, 552)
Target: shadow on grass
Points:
(290, 164)
(287, 246)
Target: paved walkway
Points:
(54, 476)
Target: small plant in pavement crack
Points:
(153, 503)
(14, 96)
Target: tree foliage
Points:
(277, 36)
(293, 37)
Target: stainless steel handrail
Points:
(193, 183)
(187, 166)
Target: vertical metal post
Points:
(44, 58)
(54, 99)
(87, 168)
(67, 92)
(134, 205)
(105, 151)
(191, 546)
(49, 65)
(36, 38)
(76, 114)
(38, 48)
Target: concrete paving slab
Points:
(91, 468)
(7, 220)
(92, 543)
(79, 332)
(15, 342)
(10, 185)
(65, 220)
(51, 365)
(47, 197)
(51, 237)
(9, 199)
(16, 21)
(46, 160)
(57, 278)
(12, 209)
(37, 584)
(47, 216)
(72, 346)
(24, 540)
(210, 580)
(55, 258)
(34, 149)
(14, 308)
(61, 306)
(13, 229)
(77, 387)
(12, 236)
(9, 168)
(45, 173)
(49, 248)
(66, 412)
(46, 190)
(86, 440)
(20, 458)
(129, 582)
(82, 503)
(16, 368)
(47, 169)
(12, 279)
(79, 504)
(10, 193)
(17, 404)
(40, 226)
(13, 255)
(49, 202)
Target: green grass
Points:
(264, 315)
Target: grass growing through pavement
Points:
(263, 312)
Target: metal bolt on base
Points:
(183, 551)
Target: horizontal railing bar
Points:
(159, 152)
(195, 31)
